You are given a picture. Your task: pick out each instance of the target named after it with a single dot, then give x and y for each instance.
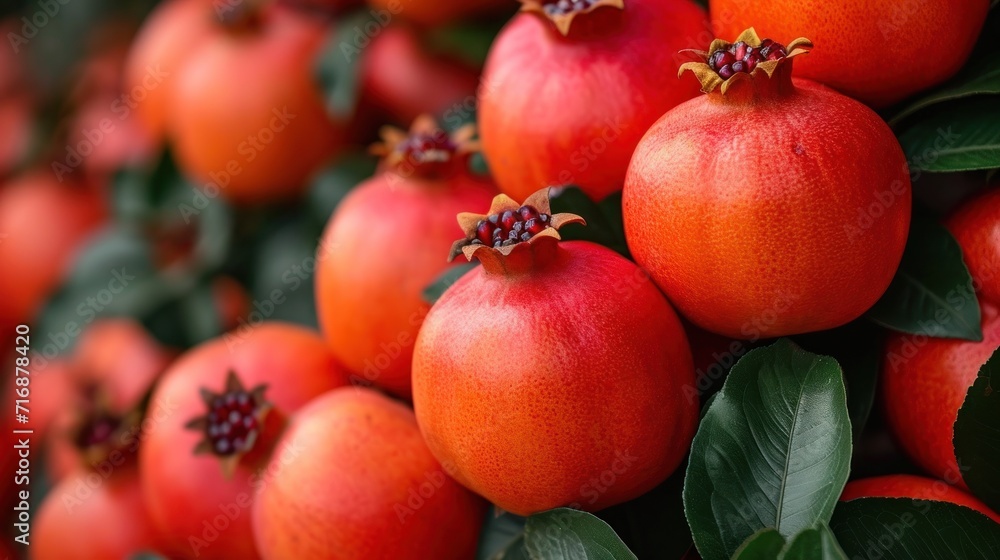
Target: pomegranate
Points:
(569, 88)
(369, 475)
(914, 487)
(537, 387)
(434, 13)
(217, 413)
(801, 237)
(373, 267)
(925, 380)
(43, 222)
(246, 116)
(90, 517)
(860, 27)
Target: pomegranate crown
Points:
(99, 431)
(233, 421)
(726, 64)
(427, 149)
(563, 12)
(510, 231)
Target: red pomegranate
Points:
(92, 516)
(925, 380)
(915, 487)
(386, 242)
(216, 415)
(369, 475)
(554, 374)
(860, 27)
(570, 88)
(434, 13)
(767, 207)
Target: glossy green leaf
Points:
(932, 291)
(502, 537)
(432, 292)
(904, 529)
(980, 77)
(773, 450)
(958, 136)
(653, 525)
(765, 544)
(977, 434)
(813, 544)
(569, 534)
(338, 66)
(605, 225)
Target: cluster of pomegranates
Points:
(389, 432)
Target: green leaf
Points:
(653, 525)
(605, 225)
(502, 537)
(569, 534)
(977, 435)
(932, 292)
(958, 136)
(334, 182)
(816, 543)
(338, 67)
(432, 292)
(773, 450)
(904, 529)
(765, 544)
(980, 77)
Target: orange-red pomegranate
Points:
(867, 47)
(432, 13)
(216, 415)
(389, 240)
(925, 380)
(767, 207)
(353, 478)
(554, 374)
(570, 87)
(915, 487)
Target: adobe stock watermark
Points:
(362, 35)
(424, 491)
(32, 24)
(248, 149)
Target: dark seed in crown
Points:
(510, 227)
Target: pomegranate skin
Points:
(849, 31)
(915, 487)
(368, 472)
(188, 494)
(557, 110)
(87, 517)
(805, 237)
(925, 380)
(387, 241)
(538, 388)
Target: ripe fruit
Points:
(539, 389)
(399, 77)
(433, 13)
(767, 207)
(386, 242)
(246, 113)
(90, 517)
(44, 222)
(915, 487)
(859, 28)
(170, 34)
(567, 96)
(925, 380)
(198, 476)
(374, 489)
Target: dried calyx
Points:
(725, 64)
(233, 422)
(563, 12)
(427, 149)
(99, 432)
(511, 235)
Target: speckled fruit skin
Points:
(925, 380)
(915, 487)
(848, 32)
(374, 489)
(557, 110)
(542, 390)
(188, 493)
(246, 112)
(387, 241)
(88, 517)
(803, 235)
(45, 222)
